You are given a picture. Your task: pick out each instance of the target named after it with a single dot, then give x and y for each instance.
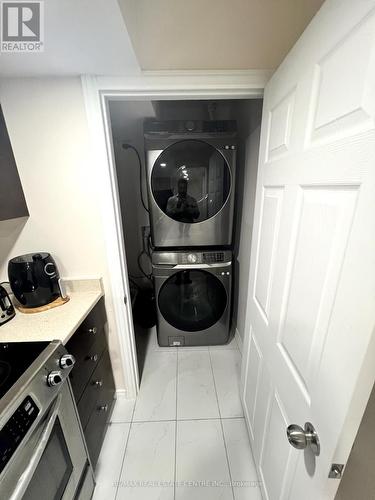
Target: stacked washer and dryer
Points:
(191, 180)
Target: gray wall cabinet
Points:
(12, 199)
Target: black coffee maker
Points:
(34, 279)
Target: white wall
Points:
(49, 133)
(49, 136)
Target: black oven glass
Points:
(190, 181)
(192, 300)
(53, 471)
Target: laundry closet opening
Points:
(186, 176)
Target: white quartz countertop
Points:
(58, 323)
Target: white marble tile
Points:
(149, 464)
(123, 410)
(157, 395)
(193, 348)
(201, 463)
(241, 463)
(108, 468)
(231, 345)
(226, 366)
(196, 396)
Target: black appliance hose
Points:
(126, 146)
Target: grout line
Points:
(123, 457)
(208, 418)
(238, 417)
(222, 427)
(121, 423)
(175, 433)
(178, 420)
(153, 421)
(213, 378)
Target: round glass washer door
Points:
(190, 181)
(192, 300)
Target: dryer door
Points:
(190, 181)
(193, 300)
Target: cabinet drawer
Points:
(86, 364)
(99, 388)
(97, 423)
(88, 332)
(96, 319)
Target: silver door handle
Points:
(301, 438)
(26, 476)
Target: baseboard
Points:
(238, 338)
(122, 393)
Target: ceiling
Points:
(121, 37)
(81, 37)
(215, 34)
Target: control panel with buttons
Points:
(202, 258)
(16, 429)
(213, 257)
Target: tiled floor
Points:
(185, 437)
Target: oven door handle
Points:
(28, 473)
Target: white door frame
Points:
(184, 85)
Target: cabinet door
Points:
(12, 199)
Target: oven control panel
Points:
(16, 429)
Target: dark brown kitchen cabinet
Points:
(12, 199)
(92, 378)
(101, 404)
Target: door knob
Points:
(301, 438)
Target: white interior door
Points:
(311, 301)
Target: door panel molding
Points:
(350, 108)
(268, 240)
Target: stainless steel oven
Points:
(43, 454)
